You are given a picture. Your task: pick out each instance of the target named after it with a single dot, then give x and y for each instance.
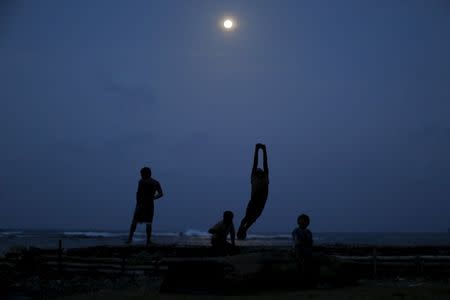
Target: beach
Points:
(195, 271)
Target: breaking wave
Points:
(92, 234)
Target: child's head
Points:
(146, 173)
(303, 221)
(228, 217)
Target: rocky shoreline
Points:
(33, 273)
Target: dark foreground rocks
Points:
(49, 273)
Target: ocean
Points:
(84, 238)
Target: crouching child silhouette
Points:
(220, 232)
(303, 242)
(148, 190)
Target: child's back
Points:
(303, 241)
(221, 230)
(302, 237)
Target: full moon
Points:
(228, 24)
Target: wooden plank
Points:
(394, 258)
(105, 271)
(106, 266)
(84, 259)
(89, 265)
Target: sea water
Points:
(85, 238)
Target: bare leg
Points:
(149, 233)
(250, 222)
(246, 223)
(242, 231)
(243, 227)
(132, 230)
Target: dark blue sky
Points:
(352, 99)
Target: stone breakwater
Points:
(197, 269)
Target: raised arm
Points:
(266, 165)
(255, 158)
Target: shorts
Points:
(144, 212)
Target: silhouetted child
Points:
(303, 242)
(260, 191)
(148, 191)
(220, 232)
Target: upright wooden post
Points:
(419, 265)
(122, 267)
(374, 255)
(60, 250)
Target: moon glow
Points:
(228, 24)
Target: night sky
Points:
(352, 99)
